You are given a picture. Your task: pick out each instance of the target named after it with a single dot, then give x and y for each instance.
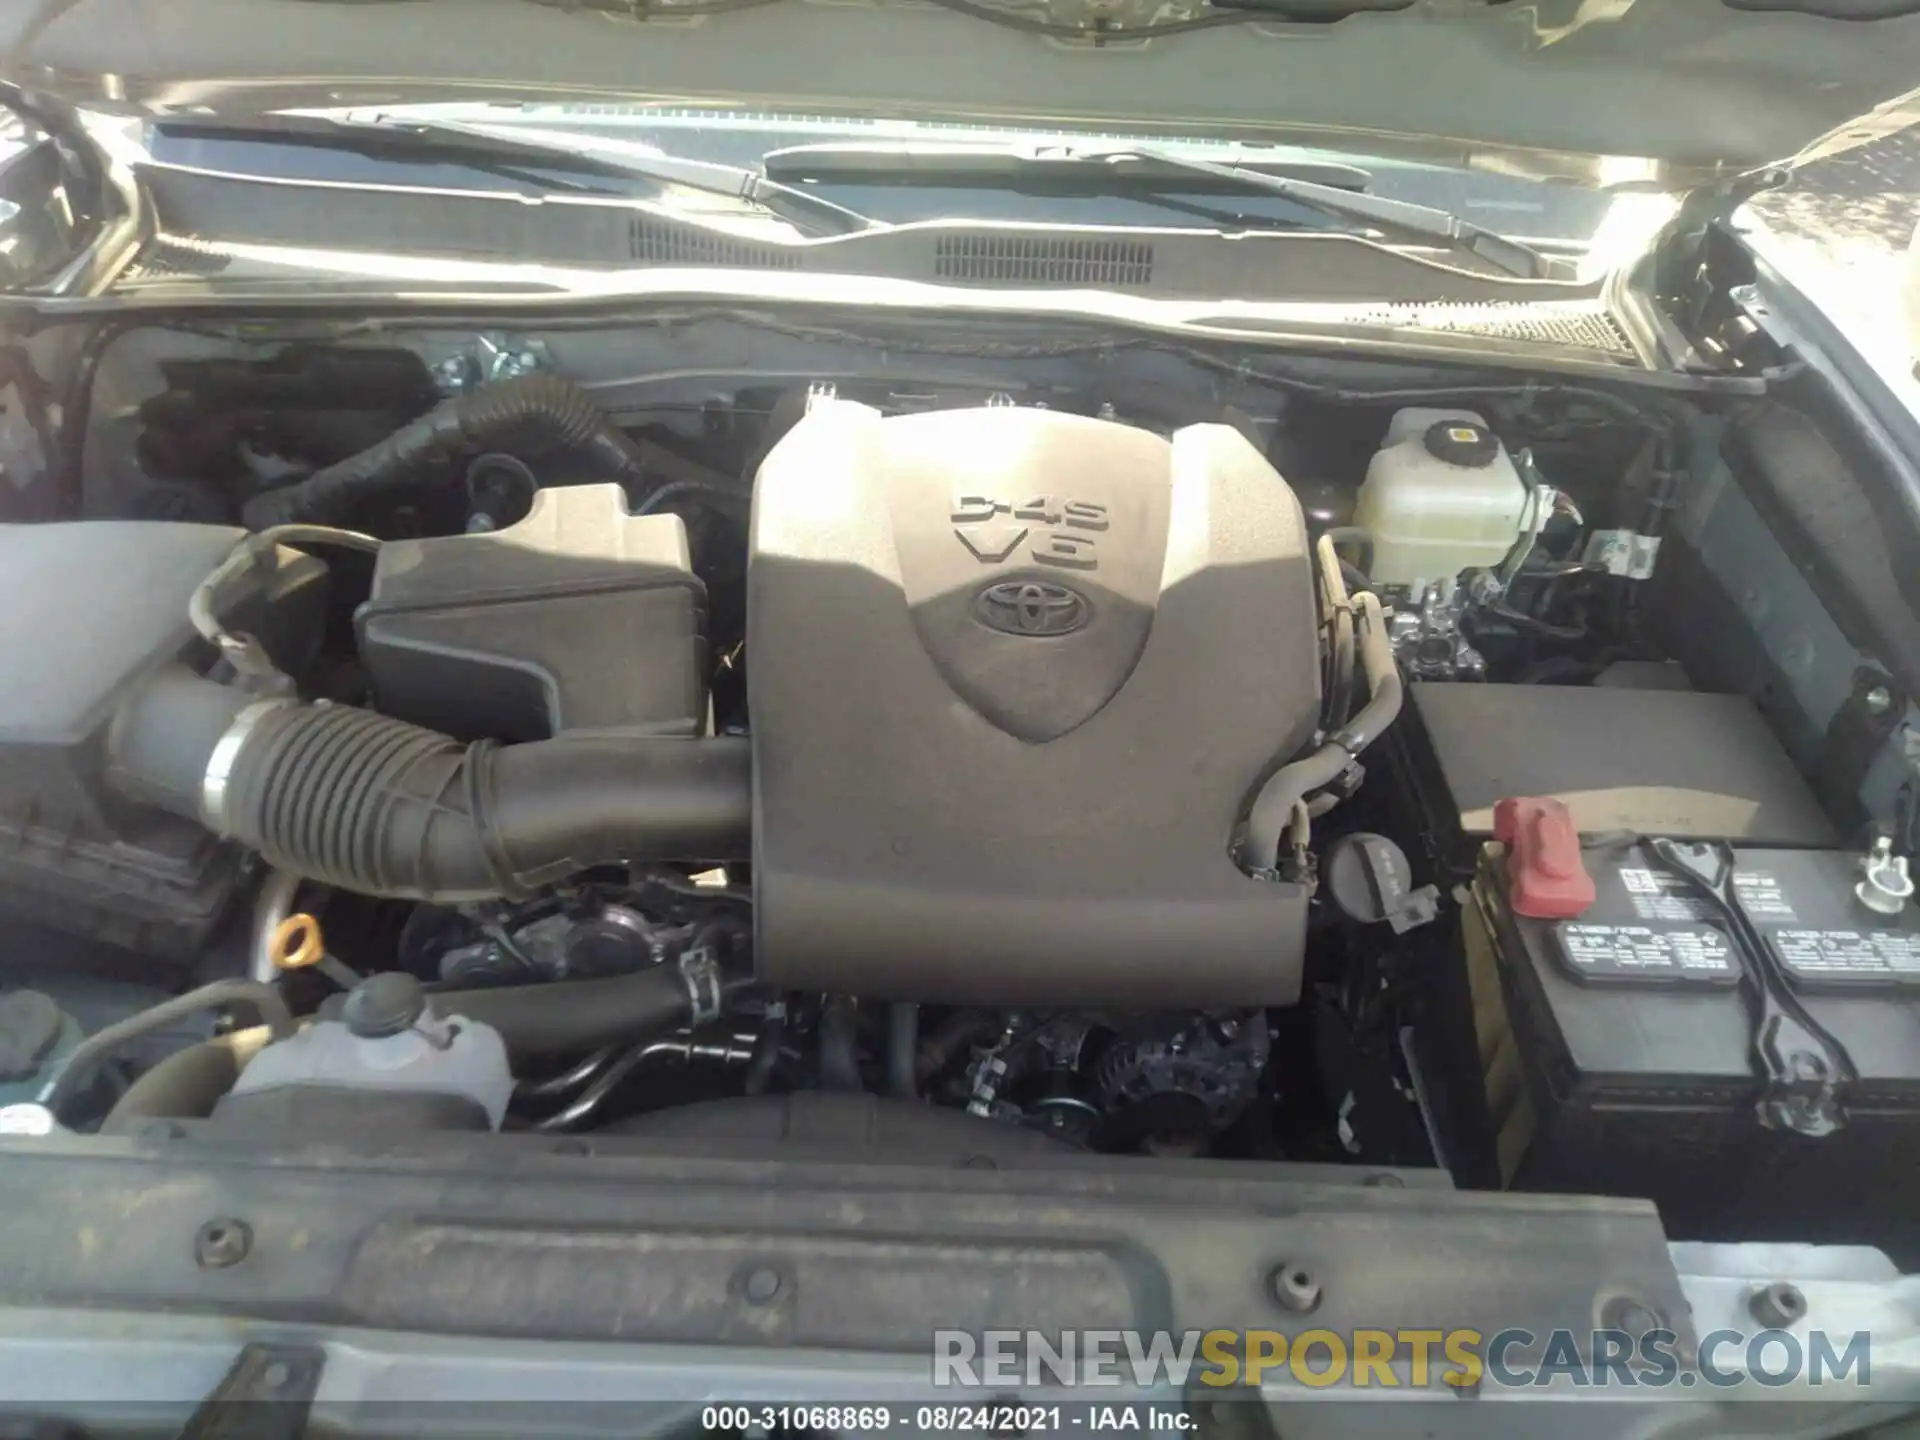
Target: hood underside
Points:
(1611, 92)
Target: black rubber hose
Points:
(728, 499)
(91, 1051)
(371, 804)
(1534, 625)
(903, 1045)
(188, 1083)
(766, 1050)
(1357, 535)
(958, 1032)
(528, 417)
(574, 1015)
(839, 1058)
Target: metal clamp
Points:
(252, 666)
(700, 970)
(226, 751)
(1801, 1063)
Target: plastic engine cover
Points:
(1015, 675)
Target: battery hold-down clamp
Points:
(1802, 1064)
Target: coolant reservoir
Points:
(1441, 496)
(389, 1045)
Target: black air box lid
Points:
(580, 617)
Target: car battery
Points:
(1621, 1049)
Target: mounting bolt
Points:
(1625, 1313)
(1484, 587)
(1294, 1288)
(1878, 700)
(761, 1284)
(1778, 1305)
(276, 1375)
(455, 374)
(222, 1242)
(511, 364)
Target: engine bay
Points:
(1074, 747)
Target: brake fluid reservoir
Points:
(1441, 496)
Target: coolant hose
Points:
(568, 1016)
(1272, 812)
(952, 1039)
(80, 1065)
(1336, 607)
(903, 1048)
(374, 805)
(527, 417)
(188, 1083)
(836, 1036)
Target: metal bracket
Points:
(1682, 242)
(1859, 730)
(265, 1396)
(1802, 1064)
(491, 357)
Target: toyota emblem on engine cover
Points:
(1031, 607)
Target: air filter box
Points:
(580, 617)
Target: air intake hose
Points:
(528, 416)
(375, 805)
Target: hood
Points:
(1661, 93)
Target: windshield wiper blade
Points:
(1059, 169)
(1143, 169)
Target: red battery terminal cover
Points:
(1546, 878)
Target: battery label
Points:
(1656, 895)
(1654, 927)
(1843, 956)
(1639, 952)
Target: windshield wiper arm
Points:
(512, 150)
(1138, 169)
(809, 213)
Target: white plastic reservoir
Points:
(1441, 496)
